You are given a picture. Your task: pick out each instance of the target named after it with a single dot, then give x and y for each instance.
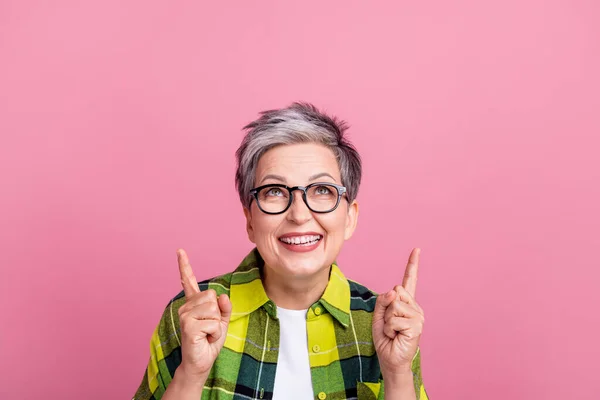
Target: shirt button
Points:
(322, 396)
(318, 311)
(316, 349)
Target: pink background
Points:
(478, 123)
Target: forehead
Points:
(297, 162)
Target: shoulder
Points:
(361, 297)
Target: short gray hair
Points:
(298, 123)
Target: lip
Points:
(294, 234)
(298, 248)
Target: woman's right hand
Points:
(204, 319)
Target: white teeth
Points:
(304, 240)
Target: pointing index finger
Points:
(410, 273)
(188, 280)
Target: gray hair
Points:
(298, 123)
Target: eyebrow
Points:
(283, 180)
(273, 176)
(320, 175)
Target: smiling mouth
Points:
(307, 240)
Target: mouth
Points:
(301, 240)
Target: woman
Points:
(287, 324)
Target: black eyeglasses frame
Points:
(254, 193)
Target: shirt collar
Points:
(248, 294)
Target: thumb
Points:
(382, 303)
(225, 307)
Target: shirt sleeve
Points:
(165, 355)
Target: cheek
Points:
(265, 227)
(334, 225)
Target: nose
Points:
(299, 211)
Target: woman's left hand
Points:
(398, 323)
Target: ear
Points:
(351, 220)
(249, 228)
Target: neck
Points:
(294, 293)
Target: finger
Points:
(225, 307)
(400, 309)
(188, 280)
(209, 310)
(197, 330)
(382, 303)
(409, 282)
(403, 295)
(418, 308)
(404, 326)
(206, 296)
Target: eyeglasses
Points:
(319, 197)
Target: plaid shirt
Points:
(343, 361)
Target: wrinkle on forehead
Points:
(298, 162)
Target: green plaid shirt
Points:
(343, 361)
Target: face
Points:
(299, 165)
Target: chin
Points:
(304, 266)
(297, 264)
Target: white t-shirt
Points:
(292, 376)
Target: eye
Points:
(323, 190)
(275, 192)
